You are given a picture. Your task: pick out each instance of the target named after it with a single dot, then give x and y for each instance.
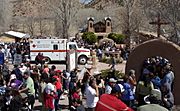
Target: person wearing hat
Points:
(109, 86)
(153, 102)
(111, 102)
(28, 88)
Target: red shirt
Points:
(109, 102)
(76, 96)
(58, 84)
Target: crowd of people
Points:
(26, 82)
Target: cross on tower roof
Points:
(158, 23)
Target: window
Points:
(55, 47)
(91, 25)
(72, 46)
(108, 24)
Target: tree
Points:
(169, 10)
(118, 38)
(112, 36)
(89, 37)
(64, 11)
(5, 15)
(29, 13)
(127, 15)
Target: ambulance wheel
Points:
(82, 60)
(47, 60)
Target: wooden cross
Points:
(158, 23)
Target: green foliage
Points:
(112, 36)
(118, 38)
(105, 73)
(89, 37)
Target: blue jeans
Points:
(56, 102)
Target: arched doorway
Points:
(161, 48)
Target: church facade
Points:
(100, 28)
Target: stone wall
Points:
(157, 47)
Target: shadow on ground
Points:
(38, 108)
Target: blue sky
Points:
(86, 1)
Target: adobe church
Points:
(101, 28)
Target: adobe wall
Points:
(157, 47)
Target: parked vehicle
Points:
(56, 50)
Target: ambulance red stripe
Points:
(57, 50)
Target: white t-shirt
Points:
(49, 88)
(91, 98)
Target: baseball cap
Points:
(112, 80)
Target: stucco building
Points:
(100, 28)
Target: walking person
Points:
(112, 62)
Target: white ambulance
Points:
(55, 50)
